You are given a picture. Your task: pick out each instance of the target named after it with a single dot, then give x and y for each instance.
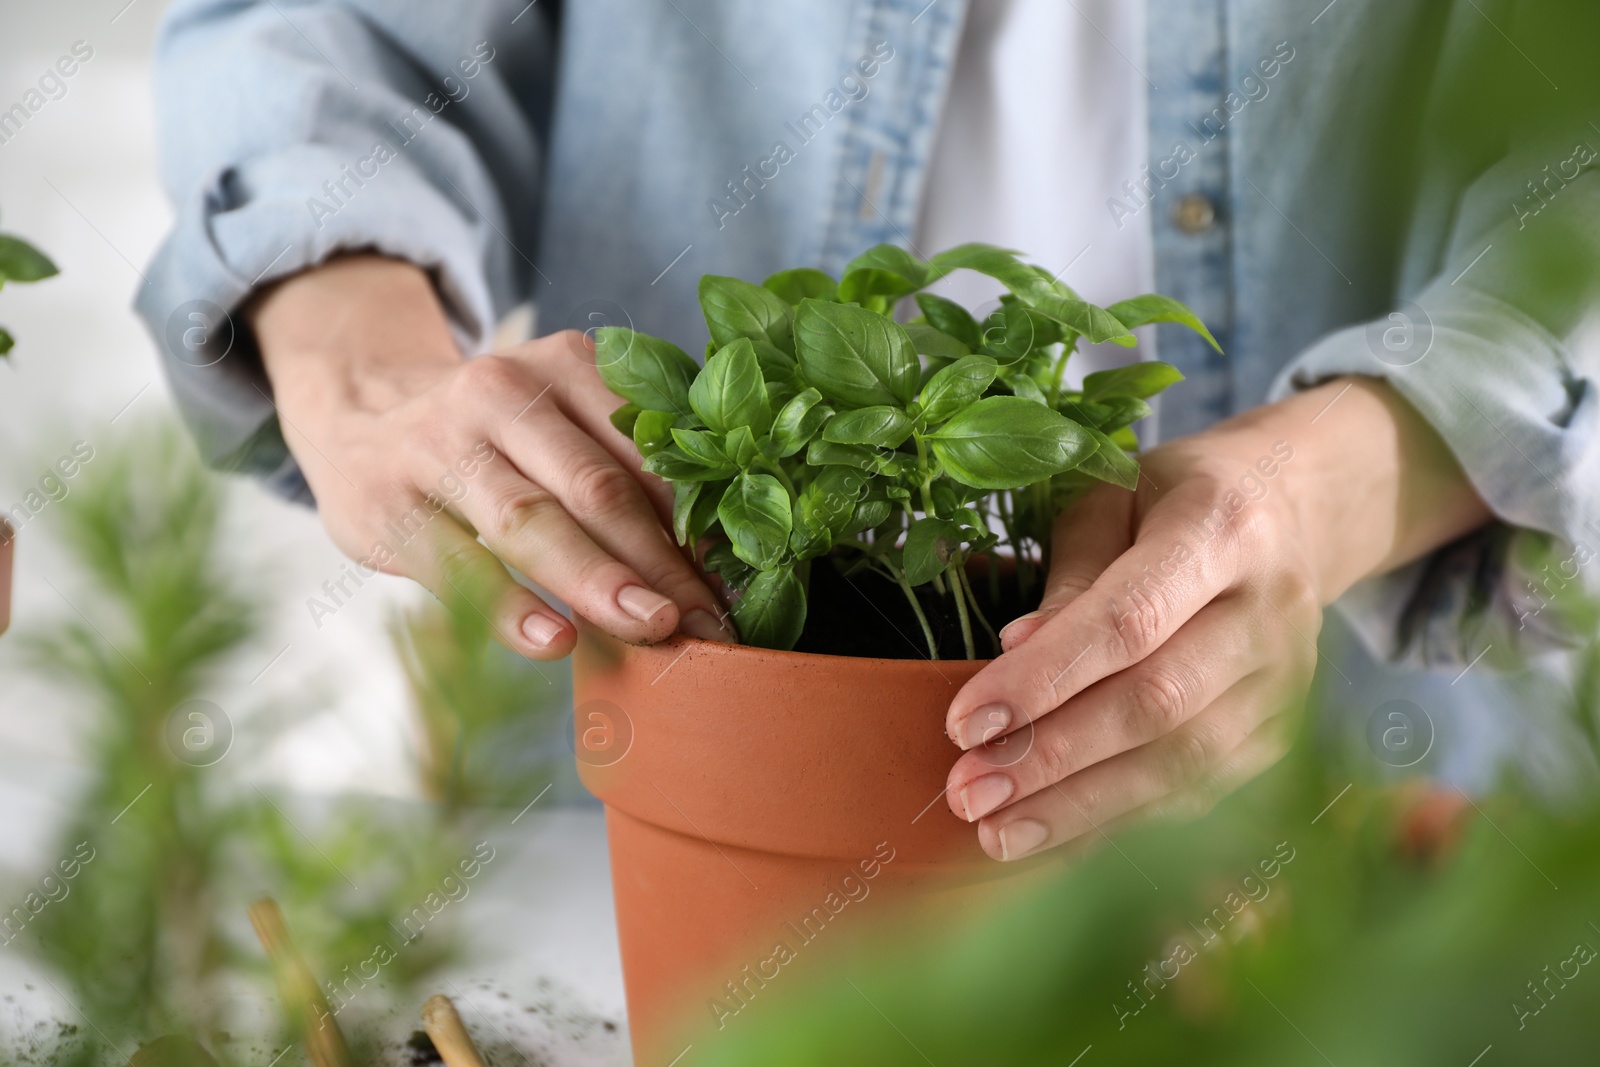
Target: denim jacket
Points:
(1347, 190)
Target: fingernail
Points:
(983, 795)
(704, 625)
(1019, 838)
(643, 604)
(1020, 618)
(984, 725)
(541, 630)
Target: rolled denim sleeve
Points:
(290, 131)
(1498, 351)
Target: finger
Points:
(1268, 744)
(1126, 614)
(589, 402)
(1090, 801)
(1084, 541)
(526, 525)
(1218, 648)
(453, 566)
(606, 501)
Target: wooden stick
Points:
(298, 989)
(443, 1025)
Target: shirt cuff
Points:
(252, 223)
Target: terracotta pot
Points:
(8, 542)
(759, 800)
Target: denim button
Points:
(1194, 213)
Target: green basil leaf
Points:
(648, 371)
(1138, 380)
(831, 498)
(735, 572)
(797, 423)
(1153, 307)
(868, 513)
(935, 343)
(872, 287)
(1093, 322)
(930, 545)
(1036, 288)
(756, 516)
(735, 309)
(684, 497)
(1024, 386)
(1006, 442)
(1110, 414)
(809, 542)
(828, 453)
(1110, 463)
(1000, 264)
(741, 446)
(772, 611)
(776, 364)
(624, 417)
(882, 270)
(652, 431)
(853, 356)
(704, 447)
(7, 342)
(21, 262)
(956, 386)
(880, 425)
(1010, 333)
(731, 391)
(793, 286)
(674, 465)
(950, 318)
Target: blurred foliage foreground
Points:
(1394, 927)
(1310, 919)
(141, 923)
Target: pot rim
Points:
(685, 642)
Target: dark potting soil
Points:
(868, 615)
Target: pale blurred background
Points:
(78, 180)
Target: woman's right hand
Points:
(413, 453)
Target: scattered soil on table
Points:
(868, 615)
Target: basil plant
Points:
(820, 425)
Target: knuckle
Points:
(1089, 803)
(1188, 756)
(1139, 628)
(457, 562)
(1160, 703)
(601, 489)
(489, 375)
(1053, 758)
(519, 513)
(1296, 594)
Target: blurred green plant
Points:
(20, 262)
(482, 710)
(1298, 923)
(150, 937)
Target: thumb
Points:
(1085, 540)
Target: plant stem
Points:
(977, 609)
(961, 608)
(916, 607)
(1061, 369)
(924, 478)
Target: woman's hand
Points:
(1178, 629)
(412, 453)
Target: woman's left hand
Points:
(1177, 634)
